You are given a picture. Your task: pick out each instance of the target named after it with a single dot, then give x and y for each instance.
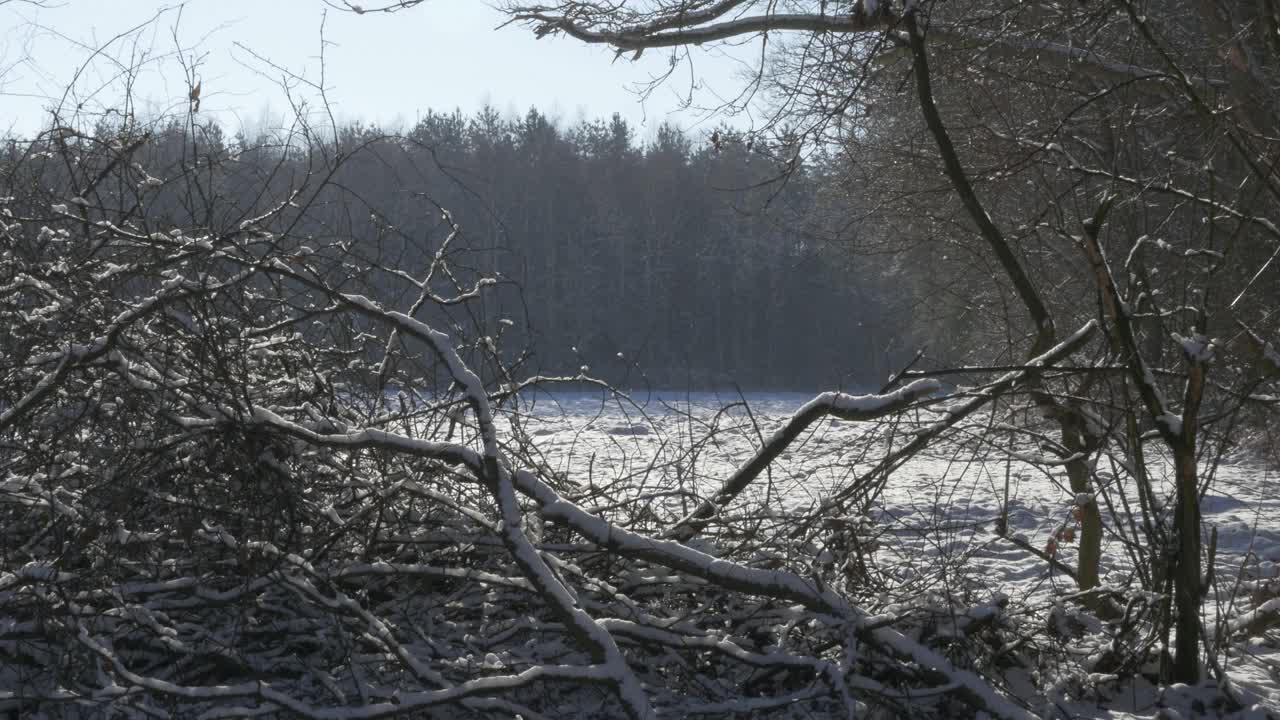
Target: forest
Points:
(330, 422)
(658, 264)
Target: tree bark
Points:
(1089, 555)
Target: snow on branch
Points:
(839, 405)
(869, 485)
(281, 487)
(674, 555)
(681, 26)
(773, 583)
(658, 35)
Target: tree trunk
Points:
(1186, 585)
(1186, 588)
(1089, 556)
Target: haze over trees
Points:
(665, 263)
(690, 258)
(269, 443)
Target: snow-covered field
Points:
(938, 512)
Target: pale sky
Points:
(385, 69)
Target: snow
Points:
(937, 511)
(1172, 422)
(1268, 611)
(1271, 355)
(1197, 348)
(931, 526)
(854, 404)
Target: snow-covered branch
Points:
(838, 405)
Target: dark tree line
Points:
(681, 261)
(686, 255)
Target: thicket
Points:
(674, 263)
(268, 457)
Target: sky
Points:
(377, 68)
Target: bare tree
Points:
(261, 457)
(1044, 84)
(238, 481)
(257, 464)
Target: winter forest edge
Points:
(331, 422)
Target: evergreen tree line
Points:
(683, 261)
(689, 256)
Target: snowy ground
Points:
(944, 505)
